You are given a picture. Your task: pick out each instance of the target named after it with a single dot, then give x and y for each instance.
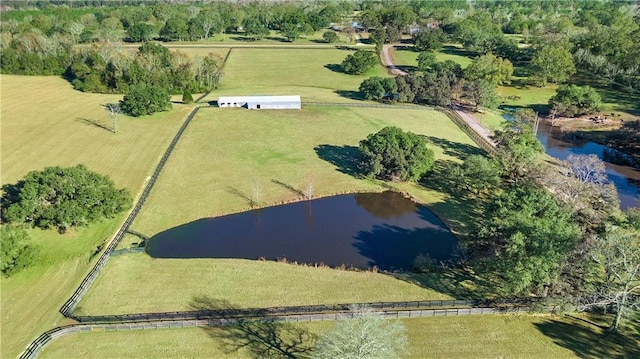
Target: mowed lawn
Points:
(315, 74)
(137, 283)
(47, 123)
(407, 57)
(211, 172)
(488, 336)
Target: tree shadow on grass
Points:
(352, 95)
(590, 340)
(260, 336)
(289, 187)
(95, 123)
(344, 157)
(455, 149)
(335, 68)
(241, 195)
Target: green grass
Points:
(46, 123)
(313, 74)
(488, 336)
(124, 286)
(214, 165)
(225, 150)
(406, 57)
(274, 38)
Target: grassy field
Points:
(214, 165)
(225, 150)
(507, 336)
(179, 284)
(47, 123)
(406, 57)
(313, 74)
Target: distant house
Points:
(262, 102)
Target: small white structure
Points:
(261, 102)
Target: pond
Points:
(358, 230)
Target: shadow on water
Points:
(455, 149)
(261, 337)
(343, 157)
(589, 340)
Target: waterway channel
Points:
(559, 145)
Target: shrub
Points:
(144, 99)
(330, 36)
(16, 253)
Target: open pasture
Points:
(405, 57)
(47, 123)
(315, 74)
(488, 336)
(223, 153)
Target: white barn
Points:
(261, 102)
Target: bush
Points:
(392, 154)
(330, 36)
(359, 62)
(62, 198)
(16, 253)
(187, 97)
(144, 99)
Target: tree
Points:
(477, 173)
(528, 235)
(187, 97)
(114, 110)
(16, 251)
(552, 63)
(254, 29)
(426, 60)
(429, 39)
(139, 32)
(617, 252)
(572, 100)
(517, 151)
(330, 36)
(63, 198)
(367, 335)
(377, 88)
(176, 28)
(144, 99)
(359, 62)
(490, 68)
(481, 93)
(392, 154)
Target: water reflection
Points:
(625, 178)
(363, 230)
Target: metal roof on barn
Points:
(258, 99)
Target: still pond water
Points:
(358, 230)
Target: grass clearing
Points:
(47, 123)
(211, 173)
(313, 74)
(487, 336)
